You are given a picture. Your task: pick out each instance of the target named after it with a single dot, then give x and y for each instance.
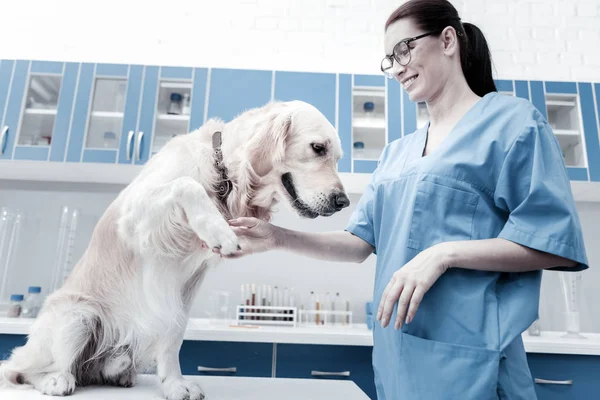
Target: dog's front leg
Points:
(203, 216)
(174, 386)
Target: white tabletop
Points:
(216, 388)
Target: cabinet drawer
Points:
(578, 375)
(9, 342)
(311, 361)
(226, 358)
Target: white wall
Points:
(533, 39)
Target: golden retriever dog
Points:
(123, 310)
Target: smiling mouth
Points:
(408, 83)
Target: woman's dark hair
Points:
(475, 58)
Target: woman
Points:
(463, 214)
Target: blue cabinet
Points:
(226, 358)
(118, 113)
(8, 343)
(553, 370)
(106, 114)
(311, 361)
(36, 99)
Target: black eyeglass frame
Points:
(393, 56)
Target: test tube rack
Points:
(266, 315)
(325, 317)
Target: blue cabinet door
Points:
(6, 71)
(12, 110)
(45, 111)
(311, 361)
(580, 372)
(232, 92)
(318, 89)
(105, 117)
(226, 358)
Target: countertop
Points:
(354, 335)
(216, 388)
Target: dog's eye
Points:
(318, 148)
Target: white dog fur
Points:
(124, 308)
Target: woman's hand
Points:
(410, 283)
(255, 236)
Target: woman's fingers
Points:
(244, 222)
(403, 302)
(415, 301)
(390, 299)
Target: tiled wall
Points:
(541, 39)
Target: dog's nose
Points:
(339, 201)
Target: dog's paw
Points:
(127, 379)
(57, 384)
(181, 389)
(218, 234)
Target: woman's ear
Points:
(449, 40)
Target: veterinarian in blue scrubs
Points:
(463, 214)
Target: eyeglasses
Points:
(401, 54)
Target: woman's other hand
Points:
(409, 284)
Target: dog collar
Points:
(224, 186)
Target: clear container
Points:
(571, 288)
(359, 150)
(33, 302)
(534, 329)
(15, 305)
(185, 108)
(175, 104)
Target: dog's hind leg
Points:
(71, 336)
(119, 370)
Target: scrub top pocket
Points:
(439, 370)
(441, 213)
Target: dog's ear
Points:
(267, 145)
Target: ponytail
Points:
(476, 61)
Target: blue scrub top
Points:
(500, 173)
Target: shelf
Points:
(173, 117)
(176, 85)
(368, 123)
(566, 132)
(560, 103)
(360, 91)
(107, 114)
(40, 111)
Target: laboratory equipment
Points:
(359, 149)
(185, 108)
(32, 303)
(534, 329)
(10, 229)
(67, 231)
(175, 104)
(571, 288)
(15, 306)
(220, 307)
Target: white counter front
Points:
(216, 388)
(355, 335)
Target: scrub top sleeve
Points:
(534, 188)
(361, 220)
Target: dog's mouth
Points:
(303, 209)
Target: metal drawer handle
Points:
(322, 373)
(209, 369)
(139, 145)
(2, 137)
(129, 137)
(546, 381)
